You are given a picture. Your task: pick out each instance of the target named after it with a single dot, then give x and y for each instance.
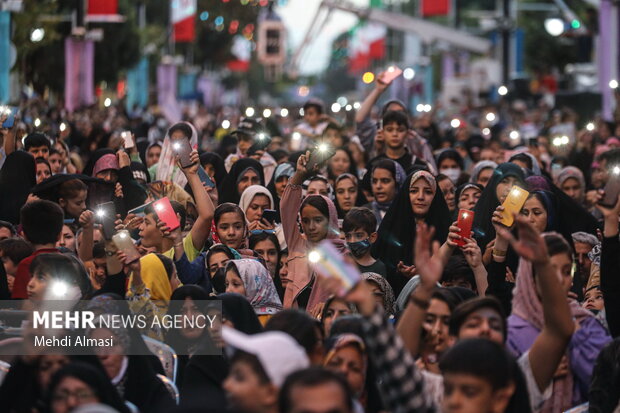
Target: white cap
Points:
(278, 353)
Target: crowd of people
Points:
(466, 303)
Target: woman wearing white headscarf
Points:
(166, 169)
(254, 200)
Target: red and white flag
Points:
(367, 44)
(183, 15)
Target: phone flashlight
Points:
(323, 147)
(391, 69)
(63, 127)
(100, 213)
(59, 289)
(176, 146)
(465, 215)
(314, 256)
(261, 136)
(159, 207)
(616, 170)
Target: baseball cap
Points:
(278, 353)
(249, 126)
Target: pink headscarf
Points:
(106, 162)
(527, 305)
(318, 295)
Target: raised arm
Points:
(550, 345)
(364, 111)
(290, 203)
(87, 221)
(473, 255)
(202, 227)
(430, 269)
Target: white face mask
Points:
(452, 173)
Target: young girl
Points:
(251, 279)
(67, 238)
(348, 194)
(342, 162)
(230, 225)
(72, 198)
(44, 170)
(319, 221)
(254, 201)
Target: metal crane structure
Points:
(427, 31)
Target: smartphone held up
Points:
(166, 214)
(183, 150)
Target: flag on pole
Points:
(79, 73)
(183, 17)
(435, 8)
(102, 7)
(5, 45)
(367, 43)
(242, 50)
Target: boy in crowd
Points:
(42, 223)
(359, 227)
(370, 134)
(12, 252)
(151, 231)
(313, 124)
(38, 145)
(391, 141)
(315, 390)
(257, 371)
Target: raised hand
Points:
(472, 253)
(407, 271)
(453, 235)
(429, 267)
(497, 217)
(87, 219)
(193, 168)
(610, 212)
(123, 158)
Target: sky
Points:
(297, 16)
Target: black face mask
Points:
(359, 248)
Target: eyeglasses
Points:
(81, 396)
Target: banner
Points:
(167, 92)
(5, 46)
(79, 73)
(138, 85)
(183, 16)
(435, 8)
(187, 85)
(102, 7)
